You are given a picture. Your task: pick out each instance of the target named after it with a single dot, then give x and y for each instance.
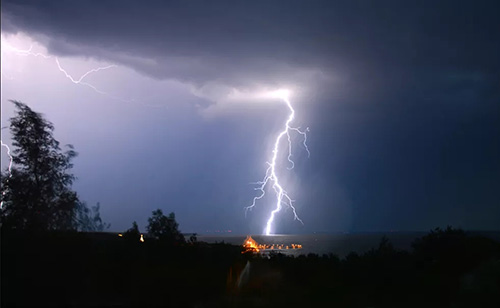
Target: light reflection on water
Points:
(339, 244)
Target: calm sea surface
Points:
(339, 244)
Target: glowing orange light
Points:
(120, 235)
(142, 238)
(251, 245)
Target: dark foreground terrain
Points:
(446, 268)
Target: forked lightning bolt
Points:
(271, 177)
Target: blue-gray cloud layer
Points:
(406, 129)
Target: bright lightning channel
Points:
(271, 177)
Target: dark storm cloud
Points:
(405, 114)
(240, 41)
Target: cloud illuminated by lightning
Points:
(30, 52)
(271, 178)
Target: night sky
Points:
(402, 99)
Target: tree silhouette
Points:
(164, 228)
(89, 219)
(38, 195)
(133, 234)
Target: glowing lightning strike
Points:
(271, 177)
(9, 169)
(79, 81)
(29, 52)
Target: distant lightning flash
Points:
(79, 81)
(9, 169)
(29, 52)
(271, 177)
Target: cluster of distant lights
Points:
(250, 245)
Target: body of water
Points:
(339, 244)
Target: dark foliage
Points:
(61, 269)
(133, 234)
(38, 196)
(164, 228)
(89, 219)
(447, 268)
(99, 269)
